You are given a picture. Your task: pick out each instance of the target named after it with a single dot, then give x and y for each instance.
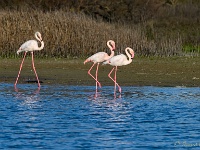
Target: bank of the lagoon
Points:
(156, 71)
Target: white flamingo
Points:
(30, 46)
(100, 57)
(119, 60)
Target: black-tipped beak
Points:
(132, 56)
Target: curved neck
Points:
(42, 45)
(40, 40)
(129, 56)
(36, 36)
(111, 47)
(112, 54)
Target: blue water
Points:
(72, 117)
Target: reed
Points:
(68, 34)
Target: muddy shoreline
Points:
(176, 71)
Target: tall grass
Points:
(67, 34)
(64, 34)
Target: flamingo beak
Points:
(113, 48)
(132, 55)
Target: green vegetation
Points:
(80, 28)
(191, 48)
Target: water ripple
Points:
(75, 117)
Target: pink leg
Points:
(97, 80)
(35, 70)
(114, 80)
(97, 75)
(93, 76)
(120, 90)
(20, 69)
(115, 77)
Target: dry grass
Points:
(64, 34)
(67, 34)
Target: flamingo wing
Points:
(117, 60)
(29, 45)
(98, 57)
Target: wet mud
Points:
(180, 71)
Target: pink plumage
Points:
(98, 58)
(30, 46)
(119, 60)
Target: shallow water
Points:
(73, 117)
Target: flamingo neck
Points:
(42, 46)
(129, 56)
(111, 47)
(36, 36)
(40, 40)
(112, 53)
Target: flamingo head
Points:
(132, 54)
(113, 45)
(38, 34)
(19, 50)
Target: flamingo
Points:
(98, 58)
(119, 60)
(30, 46)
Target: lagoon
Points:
(75, 117)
